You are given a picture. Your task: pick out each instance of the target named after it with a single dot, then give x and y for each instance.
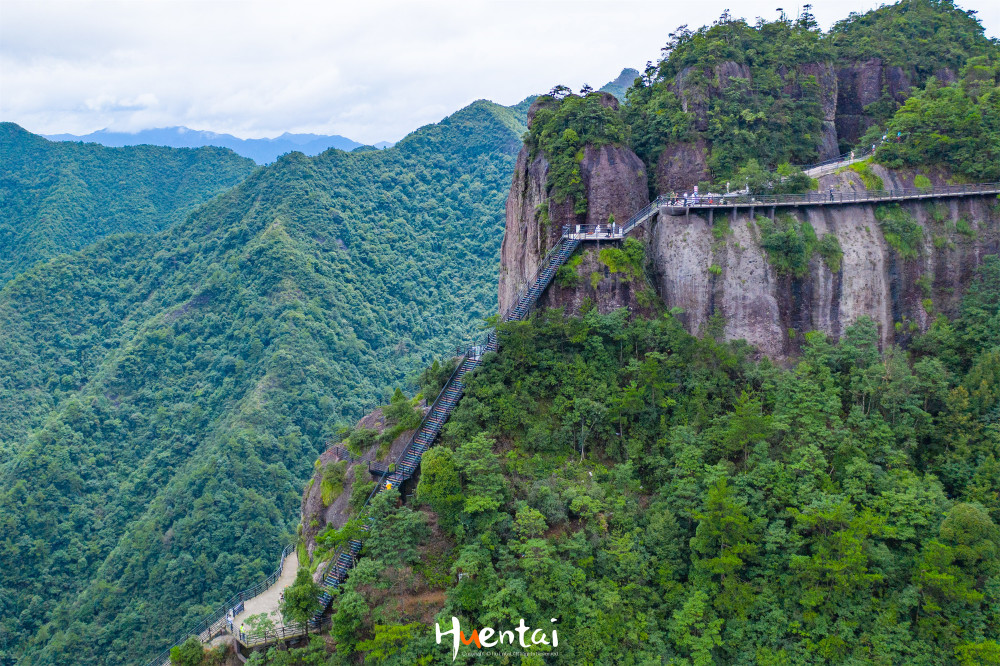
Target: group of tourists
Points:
(693, 198)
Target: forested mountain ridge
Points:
(732, 95)
(172, 390)
(58, 197)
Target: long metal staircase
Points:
(408, 461)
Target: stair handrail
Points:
(380, 483)
(530, 282)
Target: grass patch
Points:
(332, 483)
(720, 227)
(542, 214)
(921, 180)
(715, 269)
(925, 282)
(942, 243)
(901, 231)
(567, 275)
(939, 213)
(869, 178)
(964, 227)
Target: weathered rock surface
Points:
(773, 311)
(681, 166)
(616, 185)
(316, 516)
(862, 84)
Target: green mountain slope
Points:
(57, 197)
(172, 390)
(656, 498)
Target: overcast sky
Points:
(369, 70)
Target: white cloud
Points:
(370, 71)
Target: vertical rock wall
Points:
(731, 275)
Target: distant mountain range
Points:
(261, 151)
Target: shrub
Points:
(828, 248)
(870, 179)
(332, 483)
(628, 259)
(567, 275)
(963, 227)
(901, 232)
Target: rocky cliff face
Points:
(682, 166)
(316, 514)
(862, 84)
(725, 270)
(844, 93)
(616, 184)
(733, 276)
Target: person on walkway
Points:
(243, 633)
(831, 194)
(852, 155)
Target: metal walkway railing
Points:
(830, 198)
(215, 622)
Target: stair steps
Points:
(448, 399)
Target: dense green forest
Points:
(165, 395)
(673, 500)
(57, 197)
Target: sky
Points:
(370, 70)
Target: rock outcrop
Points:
(616, 185)
(316, 514)
(681, 166)
(704, 273)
